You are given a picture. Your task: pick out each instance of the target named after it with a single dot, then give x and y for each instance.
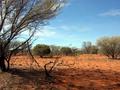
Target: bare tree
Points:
(88, 48)
(110, 46)
(58, 62)
(18, 17)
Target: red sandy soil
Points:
(84, 72)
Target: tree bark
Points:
(113, 56)
(2, 64)
(8, 65)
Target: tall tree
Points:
(22, 16)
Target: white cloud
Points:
(113, 12)
(46, 31)
(52, 32)
(77, 28)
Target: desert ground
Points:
(83, 72)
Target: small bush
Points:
(41, 50)
(66, 51)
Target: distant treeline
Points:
(109, 46)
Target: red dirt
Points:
(85, 72)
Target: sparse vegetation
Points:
(25, 65)
(110, 46)
(89, 72)
(88, 48)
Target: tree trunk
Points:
(113, 56)
(8, 65)
(2, 64)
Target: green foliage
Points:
(75, 51)
(66, 51)
(41, 50)
(110, 46)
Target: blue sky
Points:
(82, 20)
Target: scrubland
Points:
(83, 72)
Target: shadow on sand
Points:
(66, 79)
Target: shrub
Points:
(41, 50)
(66, 51)
(110, 46)
(76, 51)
